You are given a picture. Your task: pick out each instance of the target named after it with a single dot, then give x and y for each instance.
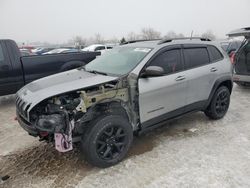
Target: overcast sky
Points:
(60, 20)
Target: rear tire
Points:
(107, 140)
(219, 104)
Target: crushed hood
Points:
(64, 82)
(240, 32)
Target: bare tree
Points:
(172, 34)
(98, 38)
(78, 41)
(112, 40)
(149, 33)
(209, 34)
(132, 36)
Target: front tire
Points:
(107, 140)
(219, 104)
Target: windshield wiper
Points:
(97, 72)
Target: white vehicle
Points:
(97, 48)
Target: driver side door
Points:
(163, 97)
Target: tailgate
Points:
(240, 32)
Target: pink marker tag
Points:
(63, 142)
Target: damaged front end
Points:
(63, 119)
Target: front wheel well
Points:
(116, 108)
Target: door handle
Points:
(213, 69)
(179, 78)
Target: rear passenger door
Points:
(201, 74)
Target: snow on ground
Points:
(191, 151)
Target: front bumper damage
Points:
(26, 125)
(63, 142)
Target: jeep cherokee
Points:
(126, 91)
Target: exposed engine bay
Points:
(62, 118)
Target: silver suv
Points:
(126, 91)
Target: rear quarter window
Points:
(195, 57)
(215, 54)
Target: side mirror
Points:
(153, 71)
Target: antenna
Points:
(191, 34)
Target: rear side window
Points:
(215, 54)
(1, 54)
(170, 61)
(195, 57)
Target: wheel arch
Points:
(115, 107)
(223, 81)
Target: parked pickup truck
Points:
(16, 71)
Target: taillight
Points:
(232, 57)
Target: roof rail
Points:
(140, 40)
(183, 38)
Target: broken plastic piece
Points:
(63, 142)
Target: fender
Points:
(225, 80)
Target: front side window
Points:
(170, 61)
(195, 57)
(118, 61)
(1, 54)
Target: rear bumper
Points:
(241, 78)
(26, 126)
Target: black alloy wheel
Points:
(111, 142)
(107, 140)
(222, 102)
(219, 104)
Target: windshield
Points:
(118, 61)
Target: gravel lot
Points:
(192, 151)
